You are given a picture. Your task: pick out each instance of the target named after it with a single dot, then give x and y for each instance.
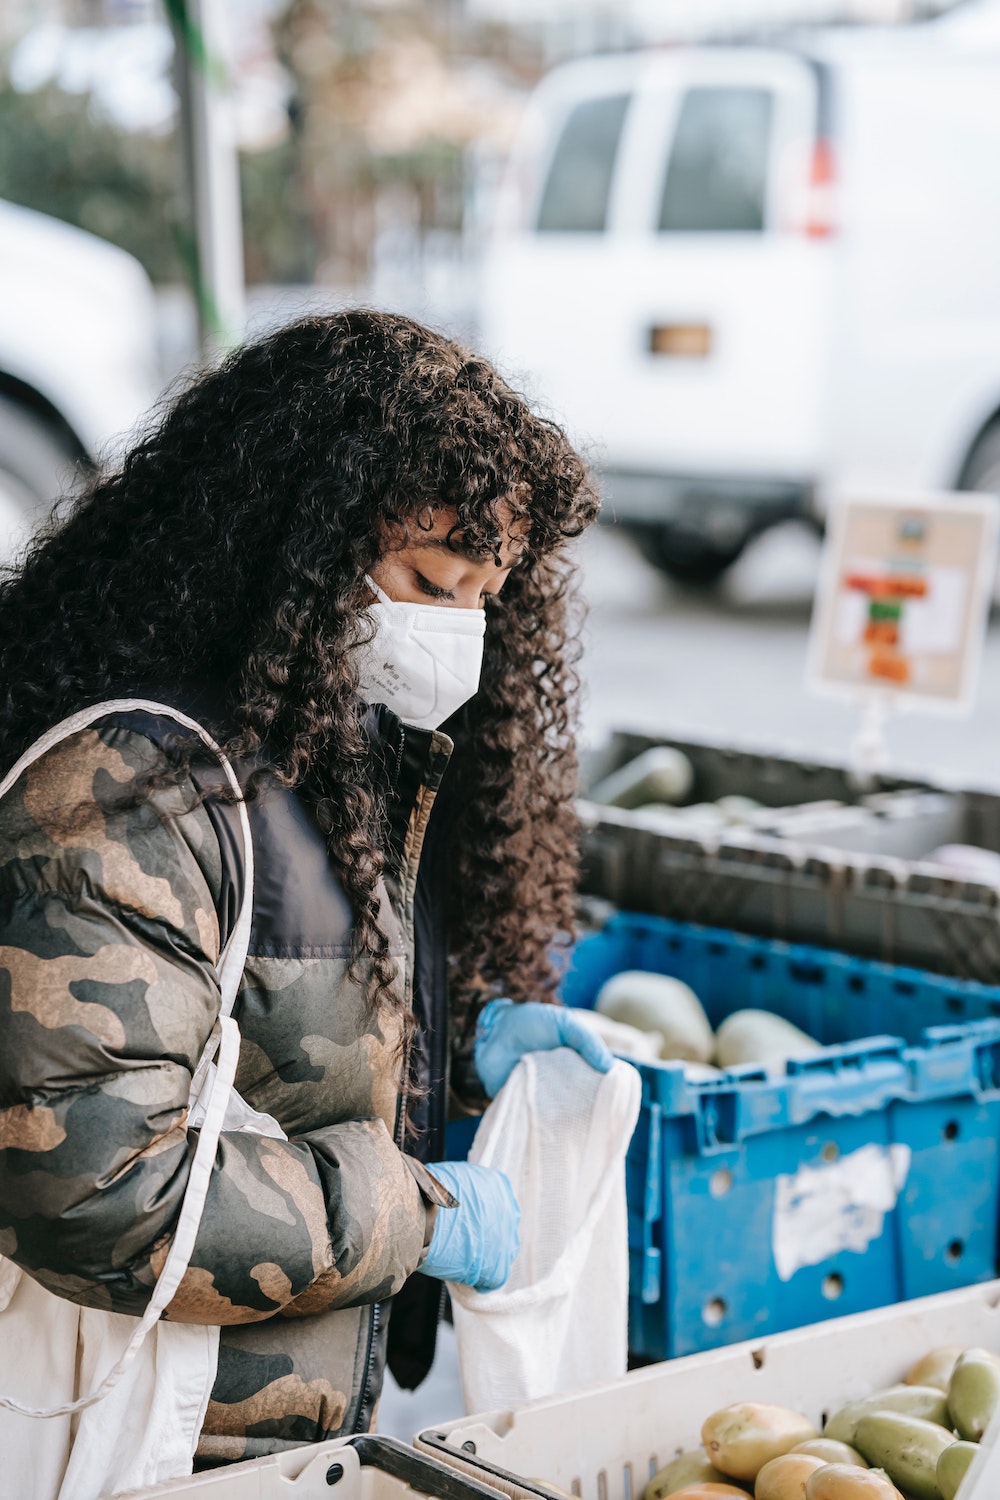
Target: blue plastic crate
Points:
(716, 1170)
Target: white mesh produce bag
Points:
(560, 1131)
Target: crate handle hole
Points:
(714, 1311)
(334, 1474)
(468, 1446)
(833, 1286)
(951, 1130)
(720, 1183)
(954, 1252)
(759, 1357)
(830, 1151)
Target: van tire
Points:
(684, 557)
(36, 465)
(981, 470)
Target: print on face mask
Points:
(424, 661)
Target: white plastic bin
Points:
(605, 1442)
(361, 1468)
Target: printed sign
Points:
(903, 599)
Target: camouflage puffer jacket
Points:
(113, 909)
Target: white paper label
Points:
(840, 1205)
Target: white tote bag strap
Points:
(223, 1046)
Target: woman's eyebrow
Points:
(441, 544)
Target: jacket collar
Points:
(412, 765)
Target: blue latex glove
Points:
(505, 1032)
(477, 1242)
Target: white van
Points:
(79, 358)
(746, 276)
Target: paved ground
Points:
(732, 664)
(403, 1414)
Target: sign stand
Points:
(869, 754)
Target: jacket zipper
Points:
(399, 752)
(440, 1033)
(404, 1089)
(376, 1317)
(373, 1330)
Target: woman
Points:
(312, 554)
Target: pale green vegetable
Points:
(686, 1468)
(922, 1401)
(736, 808)
(758, 1036)
(660, 774)
(974, 1393)
(907, 1448)
(832, 1452)
(935, 1368)
(953, 1466)
(656, 1002)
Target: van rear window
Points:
(716, 180)
(575, 196)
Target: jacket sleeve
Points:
(108, 992)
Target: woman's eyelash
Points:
(426, 587)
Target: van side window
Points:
(575, 196)
(717, 177)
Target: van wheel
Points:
(982, 467)
(981, 474)
(35, 465)
(684, 556)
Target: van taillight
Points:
(820, 222)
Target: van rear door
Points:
(666, 281)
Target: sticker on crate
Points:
(841, 1205)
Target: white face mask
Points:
(424, 661)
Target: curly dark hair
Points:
(229, 548)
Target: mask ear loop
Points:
(379, 593)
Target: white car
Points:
(748, 276)
(78, 359)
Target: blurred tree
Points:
(59, 157)
(388, 103)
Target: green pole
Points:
(213, 250)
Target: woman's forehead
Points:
(440, 530)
